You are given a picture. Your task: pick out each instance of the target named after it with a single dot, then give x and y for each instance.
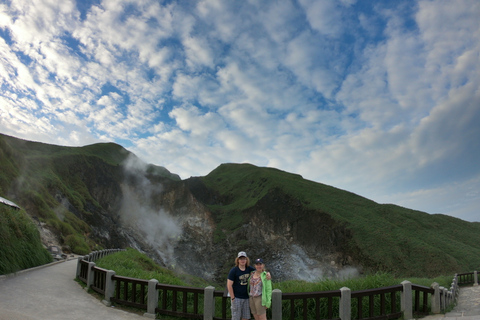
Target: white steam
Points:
(155, 226)
(295, 264)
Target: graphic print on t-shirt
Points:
(244, 279)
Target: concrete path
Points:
(467, 308)
(50, 293)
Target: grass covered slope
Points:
(61, 186)
(20, 245)
(134, 264)
(384, 237)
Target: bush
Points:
(77, 244)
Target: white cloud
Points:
(375, 98)
(323, 16)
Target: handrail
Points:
(393, 310)
(195, 303)
(130, 291)
(421, 308)
(328, 295)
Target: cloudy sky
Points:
(380, 98)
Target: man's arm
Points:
(230, 288)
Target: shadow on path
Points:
(50, 293)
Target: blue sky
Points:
(380, 98)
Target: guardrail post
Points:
(443, 299)
(277, 304)
(208, 303)
(345, 303)
(454, 287)
(90, 274)
(436, 298)
(475, 278)
(109, 288)
(406, 300)
(152, 299)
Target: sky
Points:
(379, 98)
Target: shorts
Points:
(256, 306)
(240, 309)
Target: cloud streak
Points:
(375, 98)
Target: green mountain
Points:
(103, 196)
(381, 236)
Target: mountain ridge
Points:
(102, 195)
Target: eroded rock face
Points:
(295, 242)
(171, 222)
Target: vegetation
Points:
(133, 264)
(385, 237)
(60, 186)
(371, 281)
(20, 245)
(51, 182)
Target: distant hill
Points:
(103, 196)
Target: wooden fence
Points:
(404, 300)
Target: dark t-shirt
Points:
(240, 281)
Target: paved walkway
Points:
(468, 307)
(50, 293)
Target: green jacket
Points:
(266, 289)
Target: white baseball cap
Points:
(242, 254)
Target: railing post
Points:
(277, 304)
(475, 278)
(406, 300)
(443, 300)
(152, 299)
(109, 288)
(90, 274)
(345, 304)
(455, 287)
(208, 303)
(436, 298)
(79, 266)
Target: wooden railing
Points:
(405, 300)
(421, 299)
(466, 278)
(330, 299)
(180, 301)
(388, 299)
(130, 291)
(99, 279)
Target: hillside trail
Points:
(50, 293)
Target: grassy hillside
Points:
(20, 245)
(60, 185)
(131, 263)
(385, 237)
(71, 189)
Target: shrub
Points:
(77, 244)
